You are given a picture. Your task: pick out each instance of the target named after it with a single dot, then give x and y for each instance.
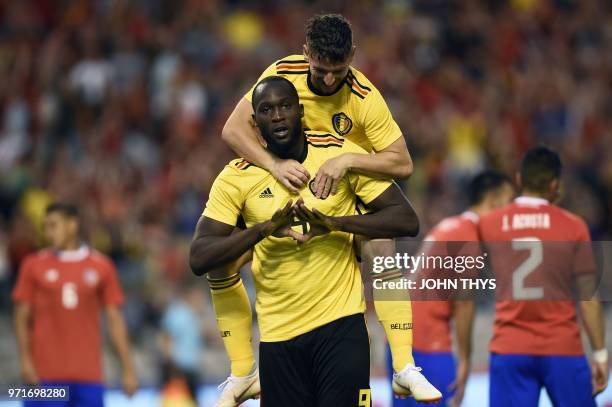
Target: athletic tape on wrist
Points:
(600, 356)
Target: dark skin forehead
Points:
(282, 88)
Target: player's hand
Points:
(599, 377)
(290, 173)
(320, 224)
(458, 386)
(130, 382)
(28, 372)
(329, 176)
(280, 224)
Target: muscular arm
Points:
(240, 134)
(392, 216)
(214, 245)
(392, 162)
(22, 317)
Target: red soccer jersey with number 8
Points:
(66, 292)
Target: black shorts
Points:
(326, 367)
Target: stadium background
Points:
(118, 106)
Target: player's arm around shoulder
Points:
(241, 134)
(391, 158)
(394, 160)
(240, 131)
(393, 214)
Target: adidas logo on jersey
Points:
(266, 193)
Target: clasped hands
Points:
(280, 225)
(294, 176)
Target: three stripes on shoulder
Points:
(324, 140)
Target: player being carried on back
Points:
(340, 101)
(314, 348)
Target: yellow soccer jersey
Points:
(357, 111)
(299, 286)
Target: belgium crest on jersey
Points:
(312, 189)
(342, 123)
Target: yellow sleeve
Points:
(270, 71)
(365, 187)
(226, 199)
(380, 128)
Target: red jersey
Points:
(535, 327)
(432, 318)
(66, 292)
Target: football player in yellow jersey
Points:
(314, 347)
(341, 101)
(338, 99)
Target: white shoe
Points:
(410, 382)
(237, 390)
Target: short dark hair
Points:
(275, 81)
(67, 209)
(485, 182)
(329, 37)
(540, 166)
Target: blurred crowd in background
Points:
(118, 106)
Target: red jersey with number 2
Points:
(67, 292)
(542, 252)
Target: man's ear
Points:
(305, 52)
(554, 185)
(301, 110)
(352, 54)
(253, 124)
(518, 180)
(555, 190)
(262, 141)
(260, 138)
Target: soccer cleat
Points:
(237, 390)
(410, 382)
